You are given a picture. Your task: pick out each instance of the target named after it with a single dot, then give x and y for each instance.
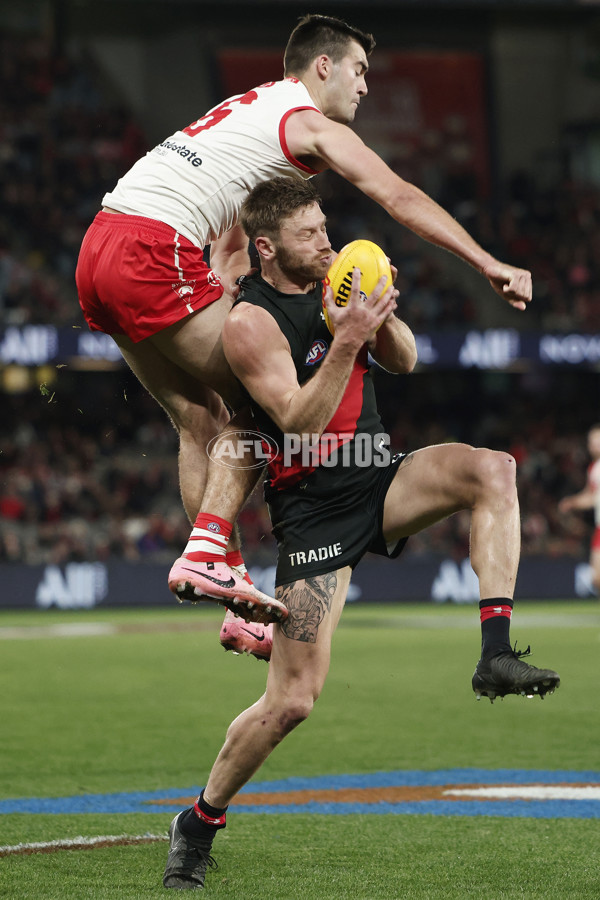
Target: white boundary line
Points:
(81, 843)
(66, 629)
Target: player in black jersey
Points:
(327, 507)
(326, 65)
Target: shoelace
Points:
(521, 653)
(196, 854)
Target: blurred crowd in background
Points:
(64, 141)
(91, 472)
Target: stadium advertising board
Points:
(491, 348)
(87, 585)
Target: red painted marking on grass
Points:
(82, 843)
(405, 794)
(327, 795)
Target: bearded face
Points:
(302, 266)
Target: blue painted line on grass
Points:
(547, 809)
(142, 801)
(416, 777)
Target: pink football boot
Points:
(202, 581)
(252, 638)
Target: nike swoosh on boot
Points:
(224, 584)
(255, 636)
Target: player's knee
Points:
(197, 421)
(293, 714)
(496, 472)
(295, 711)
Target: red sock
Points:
(491, 609)
(235, 558)
(208, 540)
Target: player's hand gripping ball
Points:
(373, 264)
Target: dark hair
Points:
(272, 201)
(314, 35)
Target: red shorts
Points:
(136, 276)
(596, 538)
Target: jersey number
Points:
(219, 113)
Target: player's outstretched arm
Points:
(585, 499)
(313, 135)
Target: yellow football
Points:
(364, 255)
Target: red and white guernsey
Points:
(593, 475)
(197, 179)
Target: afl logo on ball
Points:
(316, 352)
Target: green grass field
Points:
(144, 706)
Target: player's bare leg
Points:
(209, 567)
(196, 410)
(229, 494)
(299, 666)
(183, 367)
(438, 481)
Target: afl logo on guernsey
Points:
(316, 352)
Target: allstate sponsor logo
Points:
(242, 449)
(317, 352)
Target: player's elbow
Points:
(284, 413)
(407, 361)
(400, 362)
(301, 429)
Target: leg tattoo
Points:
(307, 603)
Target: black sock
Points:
(495, 617)
(202, 821)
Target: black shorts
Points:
(321, 527)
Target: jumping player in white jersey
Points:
(589, 498)
(141, 276)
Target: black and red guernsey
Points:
(356, 420)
